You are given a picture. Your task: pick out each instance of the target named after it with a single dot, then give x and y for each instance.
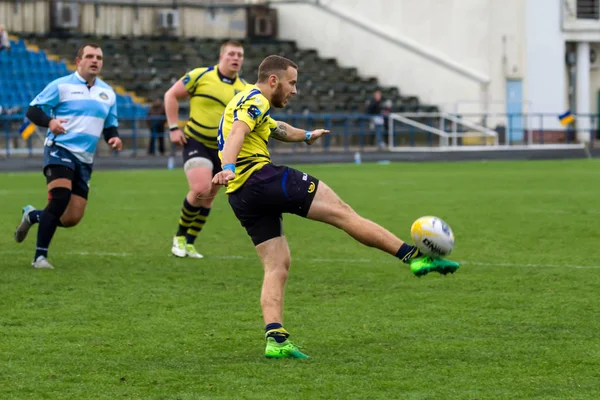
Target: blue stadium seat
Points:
(25, 73)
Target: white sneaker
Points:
(23, 228)
(178, 248)
(191, 252)
(41, 262)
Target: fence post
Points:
(542, 133)
(361, 134)
(593, 130)
(379, 135)
(327, 137)
(6, 135)
(134, 135)
(430, 135)
(346, 133)
(308, 128)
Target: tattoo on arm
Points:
(280, 133)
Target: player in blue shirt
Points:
(77, 109)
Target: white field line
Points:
(324, 260)
(75, 253)
(582, 212)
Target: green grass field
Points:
(120, 318)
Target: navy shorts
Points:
(194, 148)
(267, 194)
(57, 156)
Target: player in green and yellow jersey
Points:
(209, 90)
(260, 192)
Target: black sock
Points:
(197, 225)
(406, 252)
(276, 331)
(48, 224)
(34, 216)
(186, 217)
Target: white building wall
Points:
(546, 68)
(595, 81)
(469, 32)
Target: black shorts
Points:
(61, 163)
(194, 148)
(267, 194)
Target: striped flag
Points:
(27, 129)
(566, 118)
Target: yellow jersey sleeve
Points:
(190, 80)
(271, 123)
(252, 109)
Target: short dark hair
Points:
(233, 43)
(273, 65)
(92, 45)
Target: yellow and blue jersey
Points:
(209, 91)
(252, 108)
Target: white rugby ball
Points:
(432, 236)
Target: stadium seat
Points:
(24, 73)
(148, 64)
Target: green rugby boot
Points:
(282, 350)
(423, 265)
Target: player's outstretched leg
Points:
(29, 217)
(328, 207)
(425, 264)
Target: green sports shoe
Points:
(190, 251)
(423, 265)
(178, 249)
(286, 349)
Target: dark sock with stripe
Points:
(192, 233)
(48, 224)
(407, 252)
(186, 217)
(35, 215)
(276, 331)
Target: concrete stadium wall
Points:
(193, 22)
(480, 34)
(503, 39)
(546, 69)
(595, 82)
(25, 17)
(34, 16)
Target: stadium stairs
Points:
(148, 66)
(142, 69)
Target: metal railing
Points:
(350, 132)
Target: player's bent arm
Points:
(110, 133)
(172, 97)
(284, 132)
(36, 115)
(287, 133)
(233, 143)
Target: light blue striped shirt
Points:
(88, 112)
